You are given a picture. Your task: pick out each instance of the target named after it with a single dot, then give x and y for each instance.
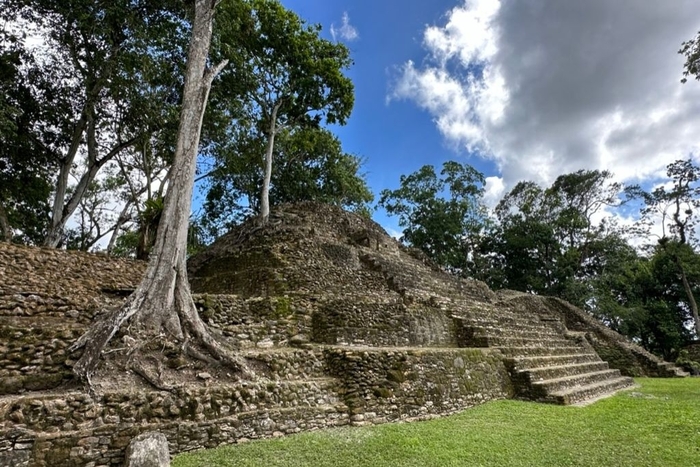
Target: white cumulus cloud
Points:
(545, 87)
(345, 31)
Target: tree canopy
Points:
(88, 122)
(690, 49)
(285, 76)
(441, 215)
(562, 240)
(310, 165)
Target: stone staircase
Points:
(547, 363)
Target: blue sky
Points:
(562, 85)
(395, 137)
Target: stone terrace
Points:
(340, 323)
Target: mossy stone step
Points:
(546, 387)
(500, 320)
(545, 342)
(560, 371)
(587, 392)
(523, 363)
(520, 351)
(515, 332)
(520, 326)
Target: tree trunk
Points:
(121, 220)
(53, 236)
(162, 304)
(265, 193)
(5, 229)
(691, 298)
(62, 210)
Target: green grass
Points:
(655, 425)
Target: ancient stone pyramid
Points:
(340, 324)
(361, 289)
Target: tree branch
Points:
(212, 72)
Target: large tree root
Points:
(156, 380)
(180, 328)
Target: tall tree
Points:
(26, 163)
(547, 240)
(288, 76)
(442, 216)
(310, 165)
(162, 304)
(91, 80)
(675, 208)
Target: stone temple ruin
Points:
(341, 324)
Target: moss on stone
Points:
(396, 375)
(282, 307)
(382, 392)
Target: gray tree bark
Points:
(62, 210)
(265, 193)
(691, 298)
(162, 304)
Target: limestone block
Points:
(148, 450)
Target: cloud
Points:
(494, 189)
(345, 31)
(546, 87)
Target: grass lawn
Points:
(655, 425)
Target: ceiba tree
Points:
(162, 304)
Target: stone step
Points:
(587, 392)
(540, 326)
(511, 320)
(546, 342)
(561, 371)
(515, 332)
(670, 369)
(523, 363)
(524, 352)
(255, 335)
(33, 381)
(543, 388)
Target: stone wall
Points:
(618, 351)
(104, 446)
(34, 359)
(47, 299)
(259, 322)
(382, 323)
(398, 384)
(62, 280)
(78, 411)
(335, 387)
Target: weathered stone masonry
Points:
(340, 324)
